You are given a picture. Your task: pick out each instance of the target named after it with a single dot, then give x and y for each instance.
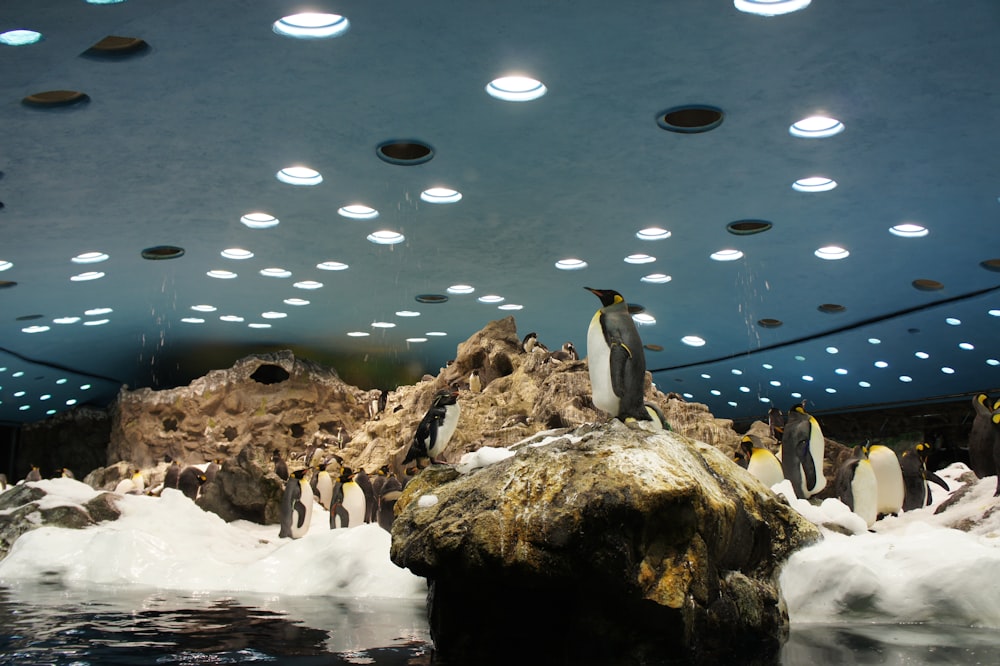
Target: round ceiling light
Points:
(358, 212)
(727, 255)
(332, 266)
(386, 237)
(691, 119)
(358, 334)
(908, 230)
(204, 308)
(832, 253)
(770, 7)
(295, 301)
(237, 253)
(814, 184)
(461, 289)
(405, 153)
(299, 175)
(516, 88)
(652, 233)
(748, 227)
(259, 220)
(816, 127)
(656, 278)
(491, 298)
(644, 319)
(693, 341)
(311, 25)
(65, 320)
(161, 252)
(639, 259)
(308, 284)
(510, 306)
(87, 258)
(273, 315)
(89, 275)
(383, 324)
(571, 264)
(275, 272)
(407, 313)
(221, 275)
(4, 265)
(20, 37)
(440, 195)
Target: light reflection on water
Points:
(50, 624)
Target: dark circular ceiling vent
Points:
(991, 265)
(431, 298)
(748, 227)
(654, 348)
(927, 285)
(114, 46)
(30, 317)
(159, 252)
(832, 308)
(7, 284)
(690, 119)
(635, 308)
(55, 98)
(769, 323)
(406, 152)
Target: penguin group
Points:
(984, 438)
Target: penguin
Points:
(66, 473)
(475, 381)
(190, 481)
(857, 486)
(296, 506)
(759, 461)
(981, 437)
(802, 447)
(387, 501)
(616, 360)
(917, 491)
(566, 353)
(529, 342)
(339, 517)
(353, 503)
(775, 423)
(3, 482)
(891, 490)
(436, 428)
(213, 469)
(34, 474)
(322, 485)
(656, 415)
(172, 475)
(280, 467)
(365, 483)
(134, 485)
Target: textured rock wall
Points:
(77, 439)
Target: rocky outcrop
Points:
(24, 508)
(77, 439)
(611, 542)
(244, 488)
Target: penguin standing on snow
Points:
(296, 506)
(322, 485)
(190, 481)
(616, 360)
(981, 436)
(134, 485)
(759, 461)
(349, 503)
(802, 447)
(365, 483)
(917, 492)
(172, 475)
(436, 428)
(891, 490)
(857, 486)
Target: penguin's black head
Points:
(445, 397)
(299, 473)
(607, 296)
(346, 474)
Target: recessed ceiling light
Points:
(461, 289)
(386, 237)
(716, 392)
(832, 350)
(437, 334)
(905, 379)
(296, 301)
(407, 313)
(814, 184)
(832, 253)
(948, 371)
(727, 255)
(273, 315)
(816, 127)
(96, 312)
(258, 325)
(830, 390)
(358, 334)
(736, 371)
(416, 339)
(908, 230)
(571, 264)
(775, 383)
(841, 371)
(864, 384)
(874, 341)
(162, 252)
(922, 355)
(89, 258)
(192, 320)
(770, 7)
(231, 318)
(693, 341)
(994, 313)
(405, 153)
(4, 265)
(652, 233)
(510, 306)
(748, 227)
(299, 175)
(358, 212)
(35, 329)
(491, 298)
(204, 308)
(65, 320)
(992, 361)
(332, 266)
(744, 389)
(516, 88)
(440, 195)
(237, 253)
(275, 272)
(656, 278)
(807, 378)
(881, 364)
(799, 357)
(639, 259)
(311, 25)
(967, 346)
(96, 322)
(89, 275)
(644, 319)
(221, 274)
(259, 220)
(20, 37)
(691, 119)
(383, 324)
(308, 284)
(952, 321)
(705, 375)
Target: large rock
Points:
(245, 488)
(613, 543)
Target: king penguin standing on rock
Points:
(296, 506)
(615, 359)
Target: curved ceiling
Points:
(149, 145)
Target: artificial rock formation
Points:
(613, 542)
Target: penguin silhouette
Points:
(190, 481)
(296, 506)
(280, 466)
(436, 428)
(387, 501)
(172, 476)
(365, 483)
(775, 423)
(213, 469)
(33, 474)
(917, 478)
(339, 516)
(617, 363)
(981, 436)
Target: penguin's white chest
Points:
(864, 489)
(765, 466)
(324, 487)
(889, 476)
(599, 366)
(354, 504)
(306, 516)
(817, 445)
(445, 430)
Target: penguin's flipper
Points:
(300, 510)
(931, 476)
(338, 512)
(620, 357)
(808, 465)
